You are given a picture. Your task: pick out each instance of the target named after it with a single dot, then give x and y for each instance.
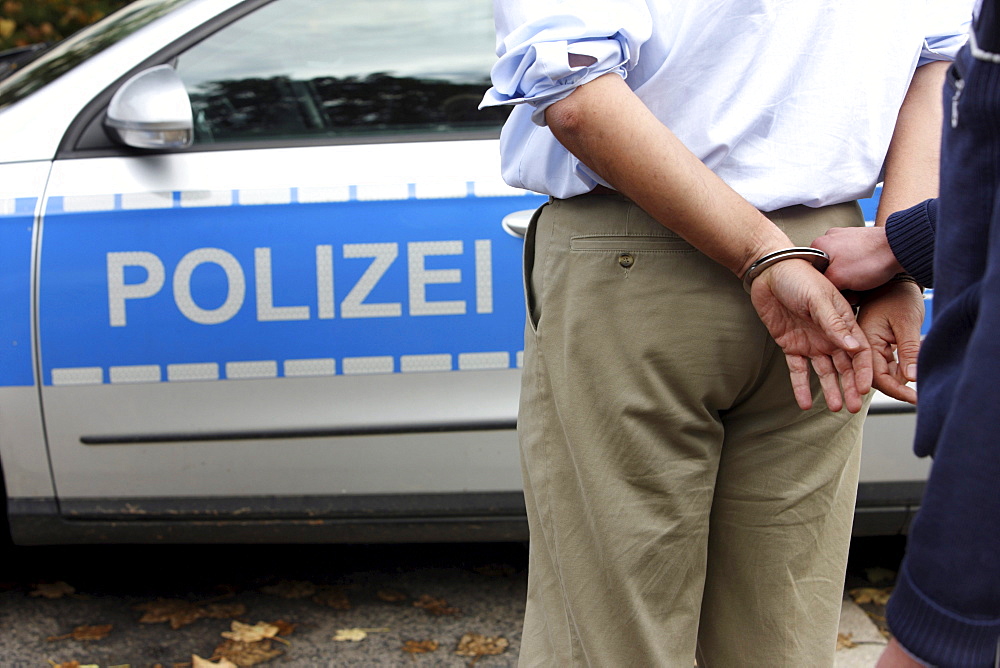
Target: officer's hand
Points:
(860, 257)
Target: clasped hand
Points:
(815, 326)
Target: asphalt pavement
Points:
(390, 605)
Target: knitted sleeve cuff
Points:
(911, 236)
(937, 636)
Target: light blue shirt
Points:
(789, 101)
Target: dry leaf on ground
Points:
(420, 646)
(435, 606)
(198, 662)
(251, 632)
(474, 644)
(391, 596)
(870, 595)
(350, 635)
(98, 632)
(285, 628)
(73, 664)
(181, 613)
(844, 641)
(245, 654)
(355, 635)
(53, 590)
(291, 589)
(333, 597)
(178, 613)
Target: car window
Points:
(312, 68)
(67, 54)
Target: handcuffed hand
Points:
(814, 325)
(891, 317)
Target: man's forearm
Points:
(911, 165)
(611, 131)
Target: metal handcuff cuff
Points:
(818, 258)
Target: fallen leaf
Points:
(251, 633)
(350, 635)
(474, 644)
(98, 632)
(285, 628)
(53, 590)
(198, 662)
(870, 595)
(420, 646)
(180, 613)
(333, 597)
(291, 589)
(435, 606)
(391, 596)
(72, 664)
(356, 635)
(844, 641)
(245, 654)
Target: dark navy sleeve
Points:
(911, 236)
(945, 608)
(946, 605)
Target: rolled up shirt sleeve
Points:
(535, 40)
(948, 30)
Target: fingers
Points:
(832, 313)
(889, 378)
(892, 386)
(907, 351)
(838, 324)
(829, 381)
(798, 370)
(892, 321)
(853, 394)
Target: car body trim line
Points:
(321, 432)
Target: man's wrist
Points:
(819, 259)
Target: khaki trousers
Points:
(679, 501)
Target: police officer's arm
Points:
(610, 130)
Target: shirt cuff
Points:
(541, 75)
(935, 635)
(910, 234)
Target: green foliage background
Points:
(24, 22)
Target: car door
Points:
(314, 310)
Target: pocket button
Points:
(626, 260)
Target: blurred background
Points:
(27, 22)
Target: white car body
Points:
(310, 338)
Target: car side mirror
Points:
(152, 110)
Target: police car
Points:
(261, 282)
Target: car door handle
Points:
(516, 223)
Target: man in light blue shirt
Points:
(681, 494)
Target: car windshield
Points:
(67, 54)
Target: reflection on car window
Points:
(309, 68)
(69, 53)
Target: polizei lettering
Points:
(407, 272)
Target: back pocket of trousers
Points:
(630, 243)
